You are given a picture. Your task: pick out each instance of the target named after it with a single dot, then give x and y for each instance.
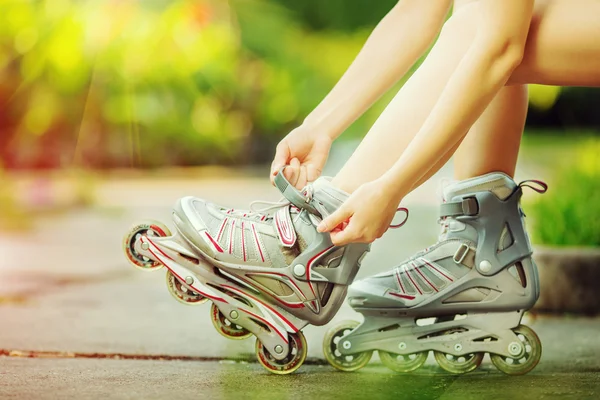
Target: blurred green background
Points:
(103, 84)
(99, 84)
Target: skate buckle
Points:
(465, 250)
(470, 207)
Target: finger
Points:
(341, 215)
(302, 177)
(312, 173)
(282, 155)
(292, 171)
(344, 237)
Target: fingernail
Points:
(321, 227)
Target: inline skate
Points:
(267, 273)
(460, 298)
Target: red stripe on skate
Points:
(411, 279)
(231, 236)
(309, 266)
(267, 323)
(214, 298)
(402, 296)
(286, 233)
(159, 230)
(269, 307)
(215, 244)
(157, 248)
(399, 280)
(222, 228)
(426, 280)
(440, 272)
(262, 257)
(243, 243)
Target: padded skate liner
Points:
(274, 285)
(498, 183)
(473, 295)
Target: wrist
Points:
(321, 127)
(393, 187)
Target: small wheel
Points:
(530, 357)
(182, 293)
(225, 327)
(293, 361)
(458, 364)
(403, 362)
(149, 228)
(346, 363)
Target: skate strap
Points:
(467, 207)
(534, 184)
(284, 227)
(292, 194)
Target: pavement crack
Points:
(36, 284)
(124, 356)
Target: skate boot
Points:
(267, 273)
(460, 298)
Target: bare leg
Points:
(563, 46)
(393, 131)
(387, 140)
(492, 144)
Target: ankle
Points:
(343, 184)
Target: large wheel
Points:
(529, 358)
(295, 358)
(181, 292)
(346, 363)
(225, 327)
(458, 364)
(148, 228)
(403, 362)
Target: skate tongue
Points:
(498, 183)
(330, 197)
(323, 184)
(284, 227)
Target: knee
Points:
(462, 25)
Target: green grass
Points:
(569, 213)
(554, 150)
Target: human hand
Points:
(365, 216)
(304, 152)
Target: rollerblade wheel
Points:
(181, 292)
(225, 327)
(149, 228)
(458, 364)
(293, 361)
(532, 352)
(347, 363)
(403, 362)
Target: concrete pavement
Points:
(69, 300)
(135, 379)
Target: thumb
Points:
(341, 215)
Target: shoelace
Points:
(262, 212)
